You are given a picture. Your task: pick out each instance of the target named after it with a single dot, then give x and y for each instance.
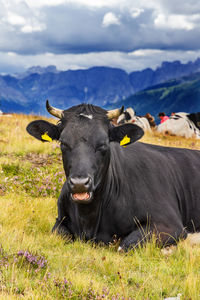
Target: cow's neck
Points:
(88, 218)
(89, 215)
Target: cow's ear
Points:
(125, 134)
(43, 130)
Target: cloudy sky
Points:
(74, 34)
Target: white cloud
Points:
(87, 3)
(145, 52)
(137, 60)
(29, 28)
(181, 7)
(110, 19)
(41, 3)
(11, 54)
(176, 21)
(17, 16)
(136, 12)
(14, 19)
(119, 33)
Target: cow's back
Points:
(158, 180)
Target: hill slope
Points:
(172, 96)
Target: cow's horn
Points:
(115, 113)
(54, 111)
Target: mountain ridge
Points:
(103, 86)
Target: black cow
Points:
(128, 192)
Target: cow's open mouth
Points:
(82, 197)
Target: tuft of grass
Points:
(10, 169)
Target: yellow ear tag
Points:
(45, 137)
(125, 141)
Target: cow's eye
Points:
(102, 148)
(65, 147)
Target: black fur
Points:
(195, 118)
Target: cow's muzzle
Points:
(81, 189)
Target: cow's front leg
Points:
(60, 228)
(165, 236)
(134, 239)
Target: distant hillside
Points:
(168, 70)
(96, 85)
(172, 96)
(27, 92)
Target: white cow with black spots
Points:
(129, 116)
(182, 124)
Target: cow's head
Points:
(126, 116)
(85, 133)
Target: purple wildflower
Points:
(39, 262)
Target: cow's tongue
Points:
(81, 196)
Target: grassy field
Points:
(35, 264)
